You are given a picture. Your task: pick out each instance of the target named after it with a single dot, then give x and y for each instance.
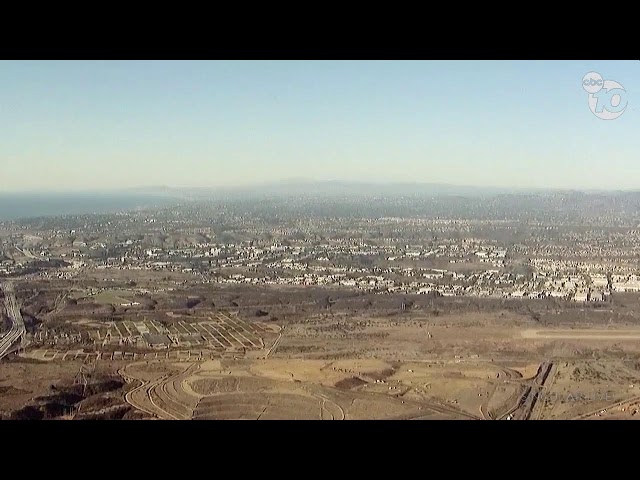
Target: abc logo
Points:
(607, 98)
(592, 82)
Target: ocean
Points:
(27, 205)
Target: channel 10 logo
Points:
(607, 98)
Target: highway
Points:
(17, 329)
(528, 401)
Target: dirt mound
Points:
(349, 383)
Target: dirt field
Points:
(349, 389)
(241, 389)
(22, 380)
(296, 353)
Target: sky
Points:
(85, 125)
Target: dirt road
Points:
(582, 334)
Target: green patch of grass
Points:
(110, 297)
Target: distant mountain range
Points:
(342, 188)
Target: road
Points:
(582, 334)
(275, 344)
(147, 390)
(528, 401)
(17, 329)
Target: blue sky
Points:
(79, 125)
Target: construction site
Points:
(219, 363)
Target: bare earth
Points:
(305, 362)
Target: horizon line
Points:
(300, 181)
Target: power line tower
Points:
(86, 371)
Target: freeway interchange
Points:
(17, 330)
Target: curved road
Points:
(148, 405)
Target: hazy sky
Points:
(83, 125)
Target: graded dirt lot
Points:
(298, 353)
(266, 389)
(321, 389)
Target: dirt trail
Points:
(584, 334)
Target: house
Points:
(580, 297)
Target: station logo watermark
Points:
(607, 98)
